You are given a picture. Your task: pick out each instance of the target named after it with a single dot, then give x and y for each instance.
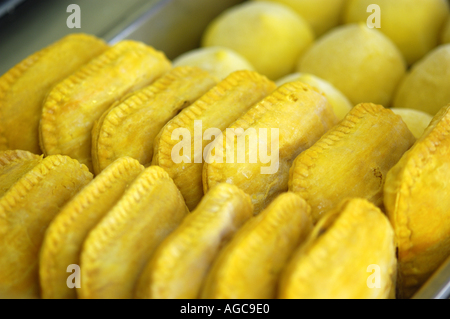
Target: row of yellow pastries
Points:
(132, 235)
(303, 113)
(112, 229)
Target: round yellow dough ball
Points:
(322, 15)
(341, 105)
(413, 25)
(416, 121)
(361, 62)
(218, 61)
(270, 36)
(426, 86)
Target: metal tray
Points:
(438, 286)
(8, 5)
(172, 26)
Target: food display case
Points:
(172, 26)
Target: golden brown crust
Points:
(437, 132)
(343, 130)
(218, 108)
(11, 156)
(333, 168)
(16, 195)
(417, 204)
(8, 80)
(13, 165)
(149, 109)
(334, 261)
(186, 118)
(118, 220)
(95, 133)
(180, 264)
(300, 114)
(249, 266)
(74, 104)
(41, 71)
(117, 249)
(25, 212)
(65, 235)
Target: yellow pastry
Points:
(13, 165)
(351, 160)
(65, 235)
(72, 106)
(180, 264)
(249, 266)
(338, 101)
(417, 201)
(216, 110)
(23, 88)
(349, 254)
(129, 127)
(117, 249)
(26, 210)
(284, 124)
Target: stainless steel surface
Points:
(173, 26)
(8, 6)
(43, 22)
(438, 286)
